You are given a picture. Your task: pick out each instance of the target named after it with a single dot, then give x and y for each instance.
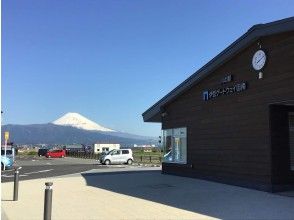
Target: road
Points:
(34, 167)
(42, 167)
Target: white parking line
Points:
(9, 176)
(41, 171)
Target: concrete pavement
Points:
(142, 193)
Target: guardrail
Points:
(137, 159)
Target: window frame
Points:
(172, 145)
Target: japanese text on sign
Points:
(207, 95)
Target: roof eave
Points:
(153, 114)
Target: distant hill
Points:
(57, 134)
(69, 129)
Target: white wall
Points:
(99, 148)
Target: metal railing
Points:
(148, 159)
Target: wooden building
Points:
(232, 121)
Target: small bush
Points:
(32, 153)
(29, 153)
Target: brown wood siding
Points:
(229, 136)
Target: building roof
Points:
(153, 114)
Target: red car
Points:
(55, 153)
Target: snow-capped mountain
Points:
(78, 121)
(69, 129)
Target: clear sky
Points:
(111, 60)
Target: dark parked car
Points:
(42, 152)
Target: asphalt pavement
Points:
(41, 167)
(34, 167)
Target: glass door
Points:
(291, 139)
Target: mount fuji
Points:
(78, 121)
(72, 128)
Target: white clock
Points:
(258, 60)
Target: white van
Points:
(118, 157)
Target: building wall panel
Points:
(229, 136)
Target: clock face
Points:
(258, 60)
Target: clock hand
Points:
(260, 59)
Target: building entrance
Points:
(291, 140)
(282, 144)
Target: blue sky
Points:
(111, 60)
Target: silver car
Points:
(118, 157)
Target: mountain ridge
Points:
(56, 134)
(69, 129)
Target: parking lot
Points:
(34, 167)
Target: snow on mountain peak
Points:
(78, 121)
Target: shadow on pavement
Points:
(203, 197)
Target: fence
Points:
(84, 155)
(137, 159)
(147, 159)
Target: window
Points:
(8, 152)
(125, 152)
(105, 149)
(175, 145)
(115, 152)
